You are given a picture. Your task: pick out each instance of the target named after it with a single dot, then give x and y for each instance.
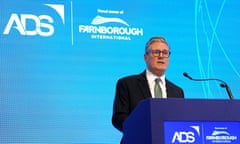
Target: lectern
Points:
(198, 121)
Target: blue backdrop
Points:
(60, 60)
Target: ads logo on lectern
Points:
(28, 24)
(186, 136)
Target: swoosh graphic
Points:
(197, 128)
(100, 20)
(59, 9)
(219, 132)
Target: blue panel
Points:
(178, 132)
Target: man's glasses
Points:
(159, 53)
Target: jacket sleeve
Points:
(120, 105)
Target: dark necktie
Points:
(157, 88)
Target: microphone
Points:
(223, 83)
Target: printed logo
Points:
(221, 135)
(201, 132)
(186, 136)
(32, 25)
(112, 28)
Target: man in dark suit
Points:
(132, 89)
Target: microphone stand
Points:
(223, 83)
(228, 90)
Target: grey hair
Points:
(155, 39)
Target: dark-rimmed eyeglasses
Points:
(159, 53)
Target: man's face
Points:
(157, 57)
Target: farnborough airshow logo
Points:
(221, 135)
(31, 24)
(110, 28)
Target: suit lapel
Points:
(169, 89)
(143, 84)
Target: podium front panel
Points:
(161, 111)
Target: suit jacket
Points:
(130, 91)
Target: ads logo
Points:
(32, 25)
(186, 136)
(182, 132)
(111, 26)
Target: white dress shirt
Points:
(151, 82)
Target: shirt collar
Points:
(152, 77)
